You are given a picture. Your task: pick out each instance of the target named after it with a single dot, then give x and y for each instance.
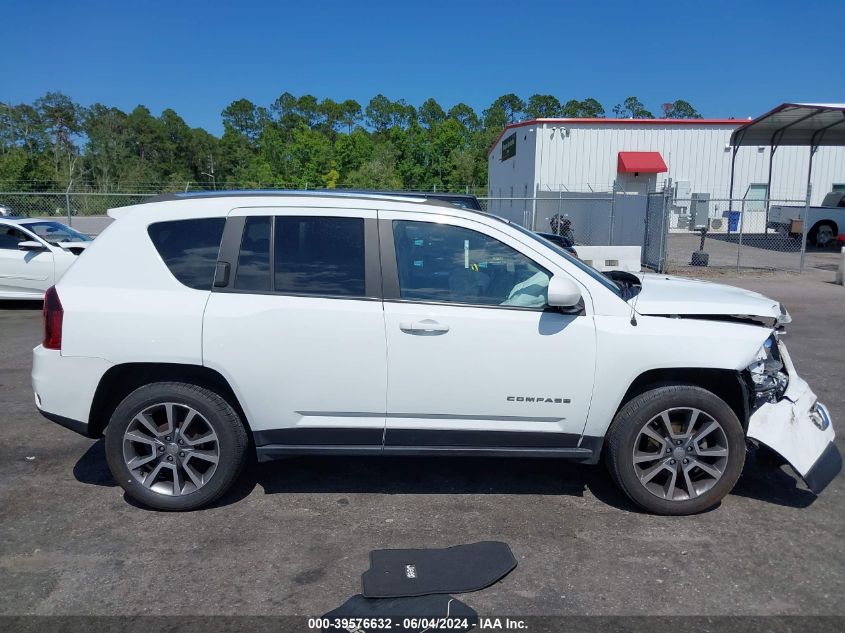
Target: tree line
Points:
(294, 142)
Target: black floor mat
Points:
(417, 572)
(419, 613)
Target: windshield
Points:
(464, 203)
(55, 232)
(592, 272)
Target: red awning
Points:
(641, 162)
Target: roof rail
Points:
(281, 193)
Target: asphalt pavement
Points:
(294, 536)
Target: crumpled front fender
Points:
(798, 428)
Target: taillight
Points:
(53, 315)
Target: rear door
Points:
(295, 323)
(23, 272)
(475, 357)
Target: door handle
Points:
(426, 326)
(221, 275)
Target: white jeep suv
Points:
(200, 327)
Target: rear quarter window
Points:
(189, 248)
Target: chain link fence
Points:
(595, 218)
(735, 233)
(86, 212)
(689, 233)
(692, 233)
(66, 205)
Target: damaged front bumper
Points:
(798, 428)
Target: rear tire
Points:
(822, 234)
(676, 450)
(175, 446)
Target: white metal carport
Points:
(810, 125)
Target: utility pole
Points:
(210, 172)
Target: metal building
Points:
(540, 159)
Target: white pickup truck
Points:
(825, 222)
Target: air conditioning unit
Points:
(718, 225)
(680, 221)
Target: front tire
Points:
(175, 446)
(676, 450)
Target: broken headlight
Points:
(784, 318)
(767, 374)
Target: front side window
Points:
(442, 263)
(189, 248)
(10, 237)
(592, 272)
(321, 256)
(56, 232)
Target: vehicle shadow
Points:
(438, 475)
(776, 485)
(447, 475)
(92, 468)
(770, 242)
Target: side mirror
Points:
(31, 245)
(563, 292)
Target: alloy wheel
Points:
(171, 449)
(824, 235)
(680, 454)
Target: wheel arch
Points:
(728, 384)
(121, 380)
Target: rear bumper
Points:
(778, 226)
(64, 386)
(74, 425)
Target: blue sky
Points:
(736, 58)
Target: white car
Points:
(34, 254)
(200, 327)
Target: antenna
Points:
(634, 307)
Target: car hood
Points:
(667, 295)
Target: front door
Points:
(475, 357)
(297, 327)
(23, 273)
(754, 209)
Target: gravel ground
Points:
(765, 252)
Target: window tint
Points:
(438, 262)
(254, 258)
(319, 256)
(10, 237)
(189, 248)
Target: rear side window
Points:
(254, 257)
(319, 256)
(189, 248)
